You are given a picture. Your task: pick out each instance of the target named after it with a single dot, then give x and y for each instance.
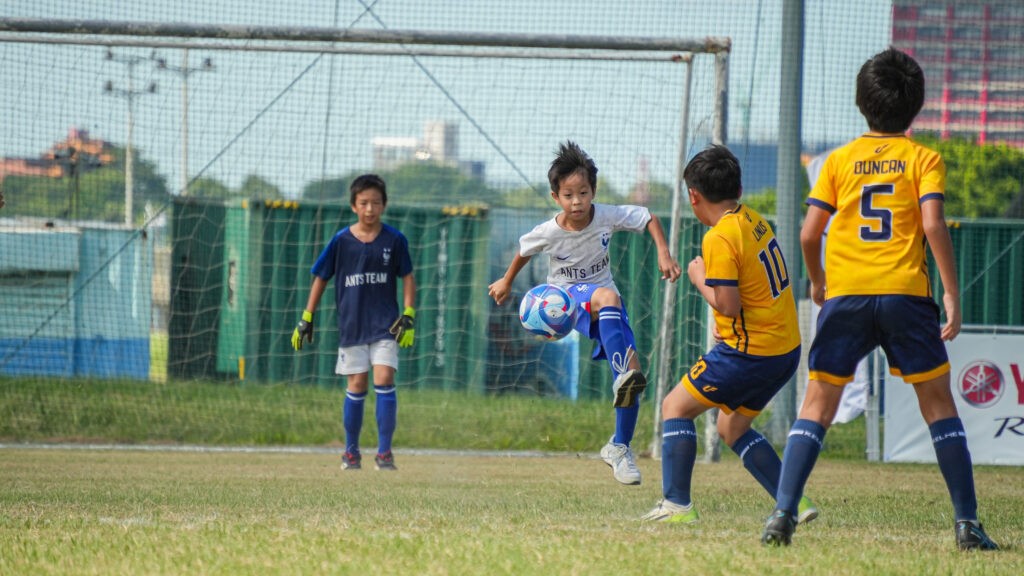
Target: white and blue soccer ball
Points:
(548, 311)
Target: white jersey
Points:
(582, 257)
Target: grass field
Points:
(79, 511)
(99, 411)
(252, 503)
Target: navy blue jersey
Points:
(365, 282)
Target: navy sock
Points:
(802, 449)
(760, 459)
(387, 410)
(613, 339)
(625, 423)
(352, 417)
(678, 455)
(950, 442)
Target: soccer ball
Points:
(548, 312)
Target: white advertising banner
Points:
(987, 379)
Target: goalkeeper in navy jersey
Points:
(366, 259)
(576, 241)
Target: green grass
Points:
(132, 512)
(33, 410)
(88, 511)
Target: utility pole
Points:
(129, 94)
(184, 70)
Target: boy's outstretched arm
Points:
(502, 287)
(810, 243)
(933, 217)
(668, 265)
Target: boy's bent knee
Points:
(605, 297)
(678, 403)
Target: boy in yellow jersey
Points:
(743, 276)
(884, 196)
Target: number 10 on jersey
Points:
(774, 267)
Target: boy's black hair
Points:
(715, 173)
(569, 160)
(365, 182)
(890, 91)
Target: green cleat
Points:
(806, 511)
(672, 513)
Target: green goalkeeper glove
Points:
(304, 330)
(403, 328)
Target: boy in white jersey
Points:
(576, 241)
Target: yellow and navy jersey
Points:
(874, 187)
(741, 250)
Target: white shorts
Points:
(358, 359)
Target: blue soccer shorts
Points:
(906, 327)
(582, 293)
(734, 381)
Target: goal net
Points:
(168, 188)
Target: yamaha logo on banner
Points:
(981, 384)
(987, 381)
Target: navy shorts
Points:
(734, 381)
(906, 327)
(582, 293)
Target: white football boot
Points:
(620, 458)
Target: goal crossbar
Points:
(362, 35)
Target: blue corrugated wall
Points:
(76, 302)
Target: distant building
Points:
(76, 150)
(390, 152)
(972, 53)
(759, 162)
(29, 167)
(441, 141)
(439, 145)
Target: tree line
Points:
(982, 182)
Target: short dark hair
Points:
(569, 160)
(365, 182)
(715, 173)
(890, 91)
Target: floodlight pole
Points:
(184, 70)
(128, 94)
